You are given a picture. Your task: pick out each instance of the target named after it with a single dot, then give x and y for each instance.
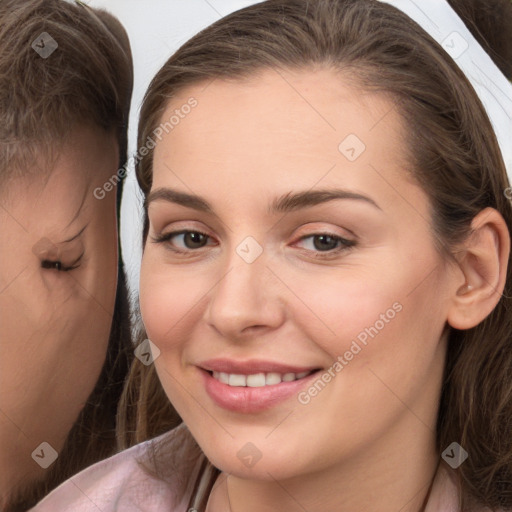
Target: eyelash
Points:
(346, 245)
(53, 264)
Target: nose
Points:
(246, 301)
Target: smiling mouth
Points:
(258, 380)
(252, 387)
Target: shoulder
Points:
(121, 483)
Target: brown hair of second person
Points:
(88, 81)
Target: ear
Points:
(483, 260)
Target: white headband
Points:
(494, 90)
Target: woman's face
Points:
(315, 289)
(58, 283)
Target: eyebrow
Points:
(289, 202)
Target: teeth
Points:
(257, 380)
(273, 378)
(237, 380)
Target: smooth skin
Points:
(55, 319)
(367, 440)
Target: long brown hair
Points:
(454, 156)
(89, 79)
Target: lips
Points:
(252, 386)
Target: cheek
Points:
(374, 315)
(387, 336)
(169, 301)
(335, 309)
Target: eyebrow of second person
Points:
(291, 201)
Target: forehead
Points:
(279, 121)
(52, 190)
(80, 158)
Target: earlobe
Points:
(483, 261)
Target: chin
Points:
(248, 463)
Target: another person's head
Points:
(324, 204)
(65, 88)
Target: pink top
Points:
(120, 484)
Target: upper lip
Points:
(251, 367)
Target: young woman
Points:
(326, 273)
(65, 346)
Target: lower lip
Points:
(250, 400)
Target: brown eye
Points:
(181, 240)
(194, 239)
(325, 242)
